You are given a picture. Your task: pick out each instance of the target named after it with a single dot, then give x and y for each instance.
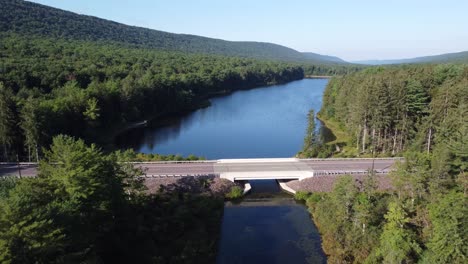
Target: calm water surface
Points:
(262, 122)
(268, 230)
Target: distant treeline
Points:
(79, 88)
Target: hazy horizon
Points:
(362, 30)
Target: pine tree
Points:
(448, 242)
(7, 120)
(31, 125)
(397, 243)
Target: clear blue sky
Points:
(350, 29)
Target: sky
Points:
(350, 29)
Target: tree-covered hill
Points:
(457, 57)
(28, 18)
(318, 57)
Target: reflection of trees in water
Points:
(164, 130)
(300, 221)
(324, 133)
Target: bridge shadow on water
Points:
(268, 226)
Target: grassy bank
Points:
(342, 138)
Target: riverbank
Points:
(318, 77)
(342, 138)
(324, 184)
(206, 185)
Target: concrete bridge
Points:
(242, 169)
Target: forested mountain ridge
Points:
(319, 57)
(457, 57)
(28, 18)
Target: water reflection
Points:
(272, 230)
(257, 123)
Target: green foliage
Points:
(387, 110)
(314, 146)
(86, 89)
(7, 120)
(130, 155)
(418, 111)
(397, 243)
(235, 193)
(310, 137)
(85, 207)
(27, 18)
(449, 216)
(348, 220)
(302, 196)
(6, 184)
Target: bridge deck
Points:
(242, 169)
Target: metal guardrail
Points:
(344, 159)
(322, 173)
(216, 161)
(178, 175)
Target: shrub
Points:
(235, 193)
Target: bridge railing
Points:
(215, 161)
(344, 159)
(179, 175)
(324, 173)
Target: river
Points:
(268, 225)
(257, 123)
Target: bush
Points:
(313, 199)
(235, 193)
(302, 196)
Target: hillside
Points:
(458, 57)
(325, 58)
(29, 18)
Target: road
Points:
(244, 167)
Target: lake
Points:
(263, 122)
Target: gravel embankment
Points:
(325, 183)
(198, 184)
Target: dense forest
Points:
(80, 88)
(31, 19)
(87, 89)
(419, 112)
(386, 111)
(59, 77)
(89, 207)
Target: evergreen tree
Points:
(7, 120)
(448, 242)
(397, 243)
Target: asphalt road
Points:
(245, 165)
(350, 165)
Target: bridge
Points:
(241, 169)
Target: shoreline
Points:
(318, 76)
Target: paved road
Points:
(350, 165)
(177, 168)
(12, 169)
(243, 166)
